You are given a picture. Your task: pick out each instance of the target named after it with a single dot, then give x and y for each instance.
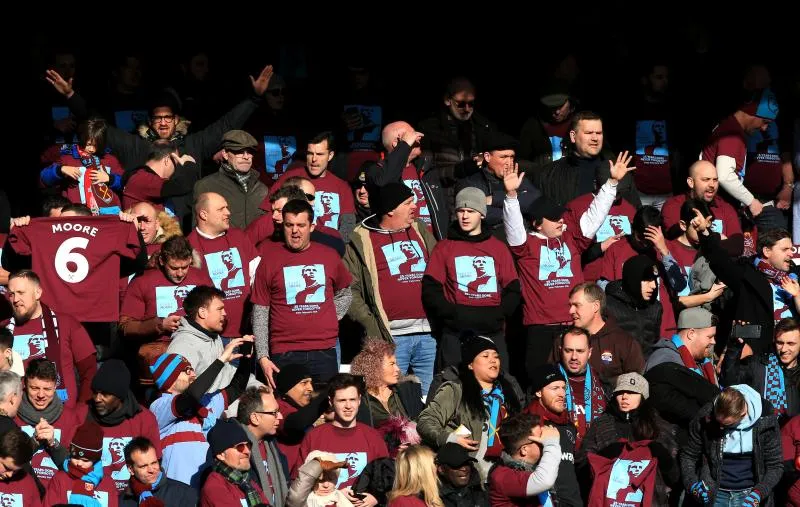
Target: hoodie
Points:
(461, 303)
(201, 348)
(737, 445)
(625, 303)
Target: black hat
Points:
(473, 344)
(389, 197)
(114, 378)
(289, 376)
(545, 375)
(497, 141)
(224, 435)
(544, 208)
(554, 94)
(453, 455)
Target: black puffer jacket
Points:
(706, 439)
(624, 302)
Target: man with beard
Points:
(704, 186)
(549, 386)
(153, 304)
(115, 409)
(43, 416)
(61, 338)
(345, 437)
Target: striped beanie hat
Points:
(166, 369)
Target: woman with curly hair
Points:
(387, 393)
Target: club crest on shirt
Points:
(607, 357)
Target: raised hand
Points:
(701, 223)
(182, 159)
(548, 433)
(512, 180)
(230, 354)
(411, 137)
(620, 168)
(21, 221)
(791, 286)
(654, 234)
(261, 83)
(61, 86)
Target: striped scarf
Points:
(706, 369)
(50, 335)
(493, 400)
(775, 385)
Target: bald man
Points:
(404, 164)
(704, 185)
(229, 257)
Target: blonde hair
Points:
(415, 473)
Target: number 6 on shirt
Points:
(65, 255)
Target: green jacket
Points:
(367, 307)
(444, 414)
(244, 206)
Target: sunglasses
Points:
(311, 197)
(463, 104)
(242, 446)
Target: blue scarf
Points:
(775, 385)
(492, 400)
(84, 495)
(587, 393)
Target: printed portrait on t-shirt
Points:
(781, 301)
(326, 209)
(764, 142)
(364, 124)
(555, 261)
(404, 257)
(30, 346)
(11, 500)
(476, 274)
(612, 226)
(419, 197)
(304, 284)
(619, 484)
(278, 153)
(651, 138)
(42, 463)
(225, 269)
(114, 458)
(170, 299)
(356, 461)
(555, 147)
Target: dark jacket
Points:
(678, 393)
(482, 319)
(391, 170)
(409, 393)
(706, 440)
(753, 300)
(169, 491)
(243, 203)
(452, 143)
(752, 371)
(609, 428)
(492, 186)
(562, 181)
(639, 318)
(471, 495)
(377, 479)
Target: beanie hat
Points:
(545, 375)
(224, 435)
(389, 197)
(473, 344)
(289, 376)
(114, 378)
(167, 368)
(471, 198)
(87, 443)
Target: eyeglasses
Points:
(273, 413)
(165, 119)
(242, 446)
(463, 104)
(277, 92)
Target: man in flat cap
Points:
(236, 179)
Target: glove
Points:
(752, 500)
(700, 491)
